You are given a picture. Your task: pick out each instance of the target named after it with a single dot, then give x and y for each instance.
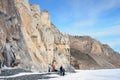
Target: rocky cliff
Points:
(29, 40)
(88, 53)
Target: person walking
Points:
(62, 71)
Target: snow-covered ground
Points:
(106, 74)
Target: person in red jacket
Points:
(54, 68)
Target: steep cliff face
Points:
(28, 38)
(87, 53)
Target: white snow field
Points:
(105, 74)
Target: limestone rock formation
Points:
(88, 53)
(29, 39)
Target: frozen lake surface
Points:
(105, 74)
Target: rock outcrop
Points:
(88, 53)
(29, 40)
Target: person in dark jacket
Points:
(62, 71)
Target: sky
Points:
(99, 19)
